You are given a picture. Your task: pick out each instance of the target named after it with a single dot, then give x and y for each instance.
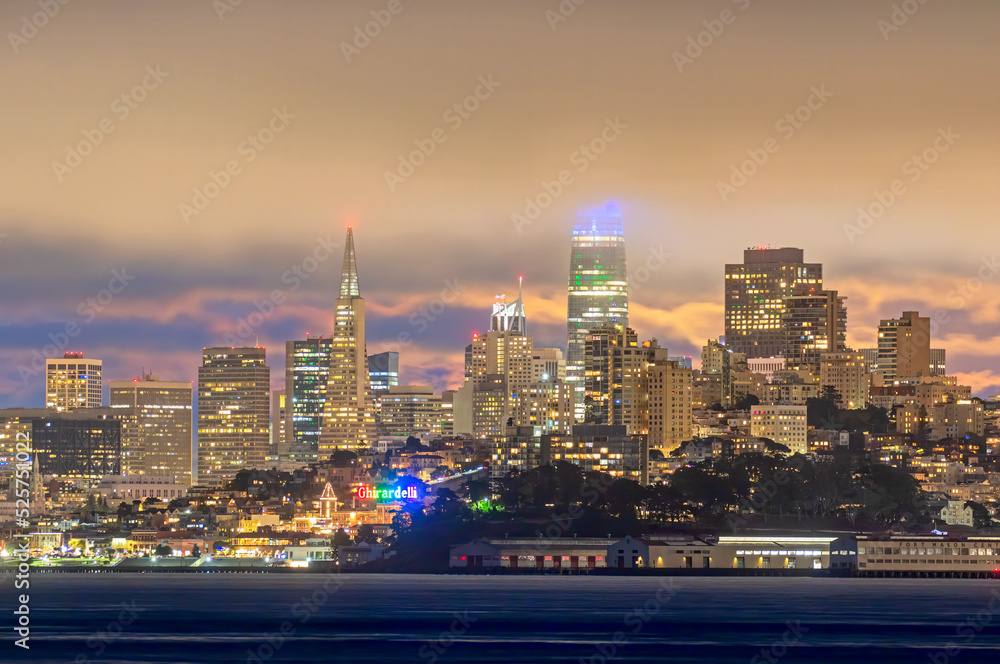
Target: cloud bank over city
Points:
(172, 168)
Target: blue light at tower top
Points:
(606, 220)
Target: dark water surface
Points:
(400, 618)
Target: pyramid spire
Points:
(349, 287)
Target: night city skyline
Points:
(384, 331)
(295, 160)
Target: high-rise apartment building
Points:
(307, 371)
(348, 415)
(669, 406)
(499, 367)
(598, 287)
(73, 382)
(615, 388)
(157, 423)
(815, 323)
(755, 294)
(602, 448)
(904, 347)
(782, 424)
(847, 373)
(234, 390)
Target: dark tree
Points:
(343, 458)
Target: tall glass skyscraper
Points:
(598, 286)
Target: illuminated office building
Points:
(598, 287)
(73, 382)
(307, 371)
(383, 371)
(234, 389)
(156, 426)
(348, 415)
(755, 294)
(509, 316)
(815, 324)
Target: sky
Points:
(181, 175)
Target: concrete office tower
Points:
(509, 316)
(78, 447)
(156, 426)
(755, 293)
(815, 323)
(598, 287)
(307, 371)
(73, 382)
(279, 423)
(234, 390)
(348, 415)
(383, 371)
(411, 410)
(904, 347)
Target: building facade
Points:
(307, 372)
(755, 293)
(73, 382)
(234, 390)
(785, 425)
(410, 410)
(815, 323)
(904, 347)
(156, 427)
(348, 415)
(598, 286)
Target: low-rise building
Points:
(955, 513)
